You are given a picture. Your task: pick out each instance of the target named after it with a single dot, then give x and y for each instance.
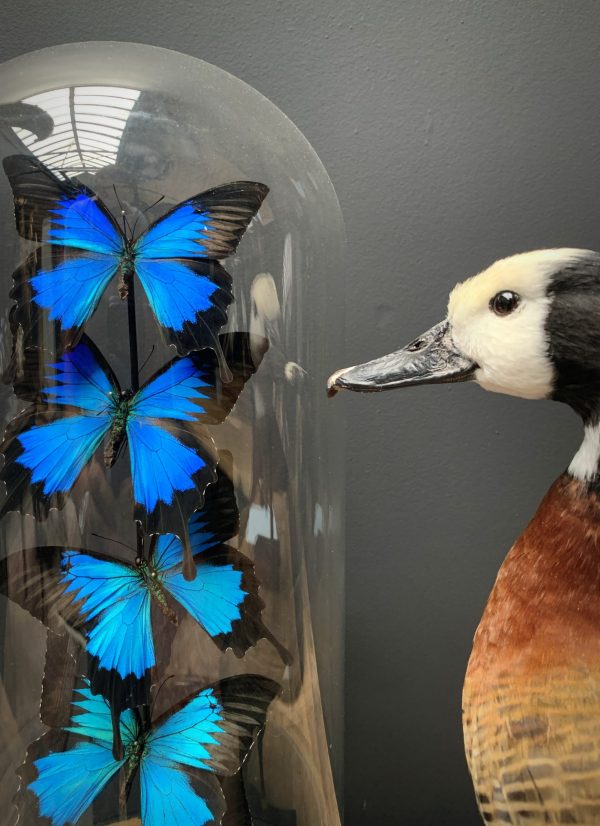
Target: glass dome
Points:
(134, 131)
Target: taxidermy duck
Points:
(529, 326)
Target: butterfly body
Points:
(126, 269)
(133, 754)
(152, 580)
(119, 410)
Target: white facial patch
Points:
(511, 350)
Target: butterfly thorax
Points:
(118, 428)
(134, 752)
(152, 581)
(126, 269)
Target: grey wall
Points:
(455, 133)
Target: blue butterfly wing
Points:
(68, 782)
(216, 523)
(114, 610)
(189, 298)
(65, 283)
(212, 733)
(101, 598)
(173, 457)
(61, 784)
(45, 451)
(209, 225)
(166, 463)
(177, 261)
(48, 445)
(170, 797)
(223, 596)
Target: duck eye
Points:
(505, 302)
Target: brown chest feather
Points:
(531, 702)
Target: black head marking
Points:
(573, 327)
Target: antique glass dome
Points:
(144, 129)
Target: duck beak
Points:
(430, 359)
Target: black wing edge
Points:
(250, 628)
(244, 353)
(221, 516)
(120, 693)
(60, 678)
(219, 513)
(36, 190)
(25, 802)
(230, 209)
(173, 517)
(23, 495)
(203, 331)
(245, 701)
(30, 323)
(31, 579)
(30, 372)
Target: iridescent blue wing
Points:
(103, 599)
(61, 780)
(173, 457)
(212, 733)
(47, 446)
(176, 260)
(63, 280)
(223, 597)
(215, 524)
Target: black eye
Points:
(505, 302)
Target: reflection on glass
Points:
(146, 129)
(89, 122)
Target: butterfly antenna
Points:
(144, 211)
(158, 690)
(116, 541)
(148, 357)
(126, 227)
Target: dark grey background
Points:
(455, 133)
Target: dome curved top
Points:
(79, 107)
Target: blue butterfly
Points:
(172, 455)
(83, 247)
(175, 756)
(110, 601)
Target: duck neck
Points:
(585, 465)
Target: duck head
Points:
(529, 326)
